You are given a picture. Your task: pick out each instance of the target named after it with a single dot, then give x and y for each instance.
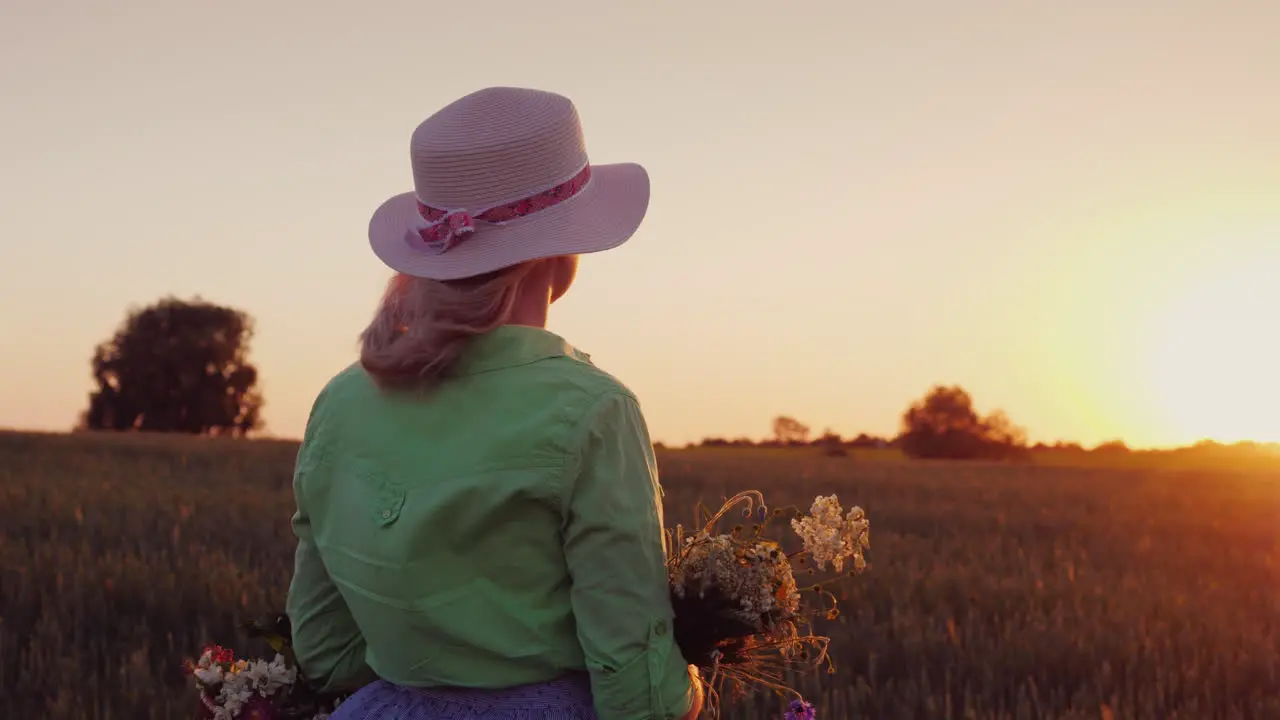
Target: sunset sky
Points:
(1072, 209)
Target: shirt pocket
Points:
(372, 489)
(388, 501)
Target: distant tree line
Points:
(183, 367)
(943, 425)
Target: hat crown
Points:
(496, 146)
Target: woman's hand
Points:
(695, 679)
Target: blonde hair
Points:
(422, 326)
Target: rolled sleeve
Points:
(326, 640)
(614, 547)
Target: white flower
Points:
(207, 676)
(266, 677)
(257, 677)
(234, 693)
(830, 538)
(280, 674)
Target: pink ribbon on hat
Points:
(442, 229)
(447, 231)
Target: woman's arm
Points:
(326, 640)
(614, 546)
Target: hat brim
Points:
(604, 215)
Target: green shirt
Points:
(503, 529)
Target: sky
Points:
(1072, 209)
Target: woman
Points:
(479, 518)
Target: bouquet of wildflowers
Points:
(741, 616)
(231, 688)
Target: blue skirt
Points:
(567, 698)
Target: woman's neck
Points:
(531, 307)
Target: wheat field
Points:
(996, 591)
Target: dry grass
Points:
(996, 591)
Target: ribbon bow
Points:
(445, 232)
(438, 230)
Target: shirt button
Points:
(386, 514)
(660, 627)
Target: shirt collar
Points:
(511, 345)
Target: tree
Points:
(829, 437)
(868, 441)
(945, 425)
(789, 431)
(1002, 431)
(1112, 447)
(831, 443)
(177, 366)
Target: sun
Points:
(1216, 365)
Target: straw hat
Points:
(500, 177)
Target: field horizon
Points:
(997, 590)
(1244, 456)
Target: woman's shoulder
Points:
(350, 380)
(591, 385)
